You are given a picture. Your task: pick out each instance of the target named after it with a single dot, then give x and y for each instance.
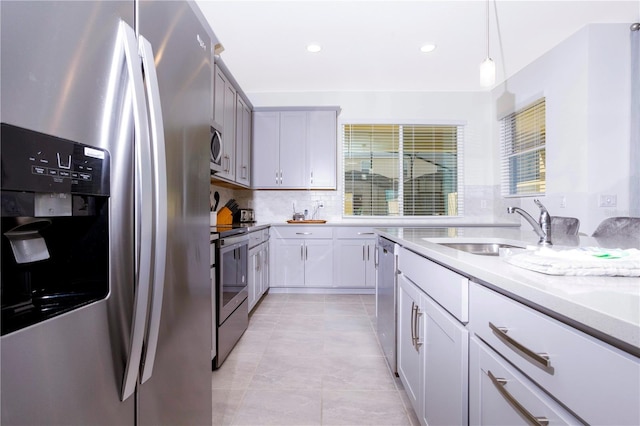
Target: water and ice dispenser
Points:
(55, 226)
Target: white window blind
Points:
(402, 170)
(522, 140)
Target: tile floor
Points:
(309, 359)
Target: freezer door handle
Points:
(159, 205)
(143, 221)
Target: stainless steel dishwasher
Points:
(386, 299)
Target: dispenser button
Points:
(64, 163)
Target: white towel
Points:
(583, 261)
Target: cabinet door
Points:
(321, 143)
(264, 253)
(243, 126)
(370, 264)
(289, 263)
(220, 81)
(351, 257)
(293, 134)
(445, 366)
(265, 167)
(255, 277)
(409, 341)
(229, 134)
(318, 263)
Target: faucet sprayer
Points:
(542, 227)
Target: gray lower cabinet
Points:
(258, 274)
(355, 254)
(432, 357)
(302, 256)
(527, 365)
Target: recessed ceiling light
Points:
(314, 48)
(428, 48)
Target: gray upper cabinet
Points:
(243, 142)
(232, 115)
(294, 148)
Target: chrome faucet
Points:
(542, 227)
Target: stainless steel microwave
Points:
(216, 150)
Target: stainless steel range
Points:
(232, 307)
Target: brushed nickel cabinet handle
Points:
(499, 384)
(501, 333)
(363, 256)
(415, 313)
(302, 252)
(304, 233)
(417, 342)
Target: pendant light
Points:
(487, 67)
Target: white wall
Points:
(586, 82)
(473, 109)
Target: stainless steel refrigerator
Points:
(106, 297)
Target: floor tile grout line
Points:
(329, 316)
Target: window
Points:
(522, 140)
(402, 170)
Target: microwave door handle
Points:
(159, 205)
(143, 211)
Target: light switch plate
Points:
(608, 200)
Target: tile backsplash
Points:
(482, 203)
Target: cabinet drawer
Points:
(596, 381)
(499, 394)
(255, 238)
(446, 287)
(301, 231)
(347, 232)
(258, 237)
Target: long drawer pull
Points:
(304, 233)
(500, 383)
(541, 358)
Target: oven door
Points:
(215, 160)
(233, 262)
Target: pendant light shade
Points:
(487, 67)
(487, 73)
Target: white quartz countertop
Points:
(605, 307)
(427, 223)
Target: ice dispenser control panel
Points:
(36, 162)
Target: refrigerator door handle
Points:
(143, 219)
(159, 205)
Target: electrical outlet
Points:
(563, 202)
(608, 200)
(483, 204)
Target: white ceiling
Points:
(375, 45)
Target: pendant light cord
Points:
(487, 28)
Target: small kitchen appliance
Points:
(245, 216)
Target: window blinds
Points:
(402, 170)
(522, 140)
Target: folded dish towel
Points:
(579, 261)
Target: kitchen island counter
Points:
(607, 308)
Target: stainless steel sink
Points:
(482, 249)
